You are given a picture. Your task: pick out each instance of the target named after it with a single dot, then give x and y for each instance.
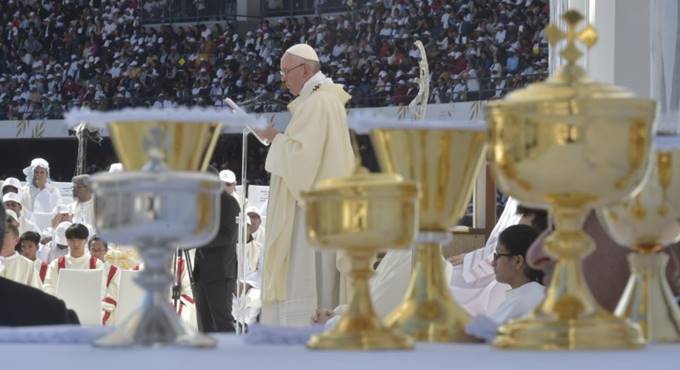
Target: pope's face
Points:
(294, 73)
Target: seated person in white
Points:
(11, 185)
(247, 307)
(57, 246)
(79, 258)
(17, 267)
(12, 218)
(12, 201)
(82, 208)
(388, 286)
(181, 295)
(30, 242)
(473, 284)
(255, 240)
(185, 305)
(39, 196)
(98, 248)
(510, 267)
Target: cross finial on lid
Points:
(587, 36)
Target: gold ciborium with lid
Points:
(570, 144)
(646, 224)
(361, 215)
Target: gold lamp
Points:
(445, 159)
(362, 215)
(646, 224)
(570, 144)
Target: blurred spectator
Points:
(56, 54)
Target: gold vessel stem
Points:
(428, 312)
(647, 299)
(360, 307)
(431, 272)
(568, 296)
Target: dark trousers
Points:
(213, 305)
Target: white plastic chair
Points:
(82, 291)
(130, 296)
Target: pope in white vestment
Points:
(315, 146)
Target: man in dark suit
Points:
(215, 271)
(22, 305)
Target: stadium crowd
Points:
(56, 54)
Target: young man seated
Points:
(30, 243)
(510, 267)
(79, 258)
(17, 267)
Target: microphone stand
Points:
(243, 225)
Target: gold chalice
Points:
(570, 144)
(445, 158)
(362, 215)
(646, 224)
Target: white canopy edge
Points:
(228, 118)
(363, 124)
(666, 143)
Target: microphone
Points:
(263, 96)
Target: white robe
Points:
(27, 224)
(518, 302)
(389, 284)
(22, 270)
(110, 300)
(473, 283)
(186, 307)
(83, 213)
(315, 146)
(248, 307)
(37, 201)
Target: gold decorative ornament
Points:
(445, 162)
(570, 144)
(361, 215)
(646, 224)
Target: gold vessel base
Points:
(428, 313)
(600, 331)
(376, 339)
(436, 320)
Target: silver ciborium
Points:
(161, 203)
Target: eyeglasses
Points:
(496, 256)
(230, 184)
(284, 72)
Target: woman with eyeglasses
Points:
(510, 266)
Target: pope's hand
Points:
(322, 315)
(268, 134)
